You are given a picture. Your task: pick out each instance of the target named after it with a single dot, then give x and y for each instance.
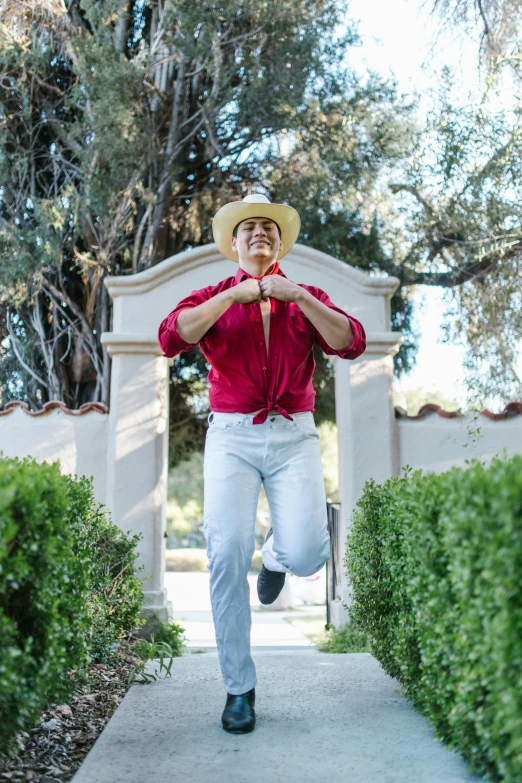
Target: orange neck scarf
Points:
(274, 270)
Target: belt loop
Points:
(211, 416)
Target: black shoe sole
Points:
(239, 731)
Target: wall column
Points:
(367, 434)
(137, 456)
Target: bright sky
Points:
(399, 38)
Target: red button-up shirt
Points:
(244, 377)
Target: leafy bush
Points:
(171, 633)
(114, 598)
(68, 587)
(435, 563)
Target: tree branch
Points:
(448, 279)
(398, 187)
(26, 367)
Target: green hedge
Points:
(435, 565)
(68, 588)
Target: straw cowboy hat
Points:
(254, 205)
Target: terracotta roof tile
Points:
(511, 409)
(49, 406)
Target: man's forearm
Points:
(334, 327)
(194, 322)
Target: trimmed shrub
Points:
(68, 588)
(114, 595)
(348, 638)
(435, 564)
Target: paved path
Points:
(320, 718)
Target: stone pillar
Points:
(138, 455)
(367, 434)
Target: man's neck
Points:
(256, 268)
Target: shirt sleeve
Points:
(356, 348)
(169, 339)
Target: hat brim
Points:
(227, 218)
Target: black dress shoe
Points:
(239, 716)
(269, 583)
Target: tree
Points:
(458, 225)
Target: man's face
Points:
(257, 239)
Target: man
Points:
(257, 330)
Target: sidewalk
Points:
(320, 717)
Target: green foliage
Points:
(68, 588)
(42, 591)
(456, 219)
(152, 651)
(346, 639)
(115, 598)
(170, 633)
(165, 644)
(435, 563)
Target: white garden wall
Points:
(436, 440)
(76, 439)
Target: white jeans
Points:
(284, 455)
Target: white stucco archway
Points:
(138, 429)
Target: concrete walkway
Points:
(320, 718)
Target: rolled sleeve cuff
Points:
(169, 339)
(358, 344)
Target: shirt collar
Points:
(242, 274)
